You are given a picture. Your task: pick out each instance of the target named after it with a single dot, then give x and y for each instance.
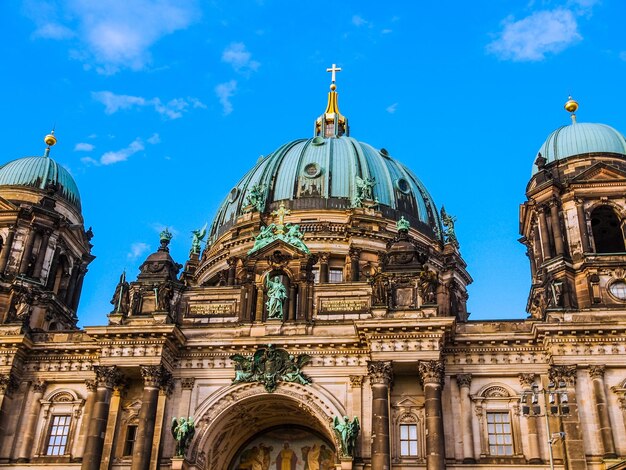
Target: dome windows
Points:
(617, 289)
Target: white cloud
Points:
(173, 109)
(224, 92)
(111, 35)
(392, 108)
(84, 147)
(532, 38)
(122, 155)
(154, 139)
(240, 58)
(137, 249)
(358, 20)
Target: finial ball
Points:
(50, 140)
(333, 87)
(571, 106)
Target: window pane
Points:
(404, 448)
(499, 433)
(414, 448)
(58, 435)
(413, 432)
(404, 432)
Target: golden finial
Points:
(571, 107)
(50, 139)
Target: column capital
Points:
(527, 380)
(431, 372)
(8, 384)
(91, 385)
(232, 261)
(380, 372)
(187, 383)
(324, 257)
(356, 381)
(565, 374)
(597, 371)
(464, 380)
(107, 376)
(355, 253)
(40, 387)
(156, 377)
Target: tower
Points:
(45, 249)
(573, 221)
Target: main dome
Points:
(40, 172)
(579, 139)
(324, 173)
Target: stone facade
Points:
(373, 325)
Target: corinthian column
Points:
(106, 378)
(464, 382)
(431, 375)
(381, 376)
(30, 426)
(153, 377)
(604, 423)
(556, 228)
(533, 455)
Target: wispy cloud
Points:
(224, 92)
(540, 34)
(123, 154)
(622, 55)
(154, 139)
(358, 20)
(392, 108)
(240, 58)
(137, 249)
(172, 109)
(84, 147)
(111, 35)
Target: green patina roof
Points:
(306, 171)
(579, 139)
(38, 172)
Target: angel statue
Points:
(448, 224)
(347, 431)
(198, 236)
(183, 430)
(276, 295)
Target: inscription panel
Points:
(213, 308)
(343, 305)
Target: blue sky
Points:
(161, 106)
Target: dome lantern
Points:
(332, 123)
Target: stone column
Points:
(112, 423)
(431, 375)
(582, 226)
(537, 244)
(464, 381)
(574, 450)
(559, 246)
(41, 256)
(106, 378)
(232, 271)
(260, 305)
(89, 403)
(28, 251)
(534, 454)
(324, 257)
(604, 423)
(184, 405)
(291, 310)
(6, 249)
(153, 377)
(77, 288)
(8, 385)
(355, 255)
(30, 426)
(545, 235)
(381, 377)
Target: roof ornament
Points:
(571, 106)
(49, 140)
(332, 123)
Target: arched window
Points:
(607, 233)
(61, 411)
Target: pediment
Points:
(598, 173)
(6, 205)
(407, 402)
(286, 249)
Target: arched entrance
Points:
(246, 416)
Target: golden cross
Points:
(332, 70)
(281, 213)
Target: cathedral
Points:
(320, 322)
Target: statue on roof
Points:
(364, 191)
(198, 236)
(121, 297)
(254, 200)
(403, 224)
(448, 224)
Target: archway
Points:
(247, 416)
(607, 232)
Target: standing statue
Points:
(165, 292)
(448, 224)
(183, 430)
(198, 236)
(402, 224)
(276, 293)
(347, 432)
(121, 298)
(363, 190)
(254, 200)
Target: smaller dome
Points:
(579, 139)
(39, 172)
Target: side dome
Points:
(41, 173)
(581, 139)
(325, 173)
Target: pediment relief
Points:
(600, 172)
(7, 205)
(277, 245)
(408, 403)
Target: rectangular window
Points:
(335, 275)
(499, 431)
(59, 432)
(408, 440)
(129, 443)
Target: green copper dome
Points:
(579, 139)
(40, 173)
(324, 173)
